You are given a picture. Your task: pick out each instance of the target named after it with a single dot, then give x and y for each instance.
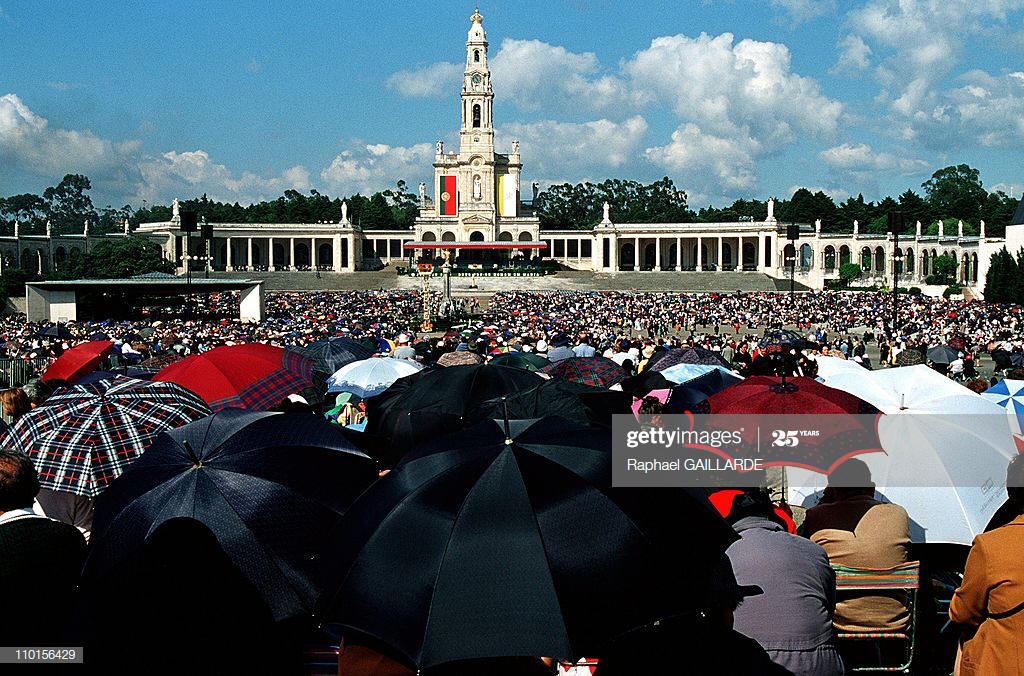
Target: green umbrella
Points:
(521, 360)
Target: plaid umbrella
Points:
(251, 376)
(84, 436)
(331, 354)
(594, 371)
(909, 357)
(459, 358)
(663, 359)
(78, 361)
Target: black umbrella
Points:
(436, 401)
(942, 354)
(56, 331)
(786, 339)
(662, 360)
(267, 485)
(99, 335)
(582, 404)
(331, 354)
(684, 396)
(644, 382)
(509, 540)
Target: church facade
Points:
(476, 201)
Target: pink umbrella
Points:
(660, 395)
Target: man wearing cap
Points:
(560, 348)
(403, 350)
(792, 619)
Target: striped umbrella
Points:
(594, 371)
(85, 436)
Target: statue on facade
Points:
(174, 209)
(477, 188)
(344, 212)
(771, 209)
(515, 147)
(440, 147)
(423, 193)
(17, 227)
(607, 210)
(981, 231)
(49, 228)
(960, 229)
(536, 190)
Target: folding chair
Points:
(905, 578)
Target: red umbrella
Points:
(770, 394)
(251, 376)
(78, 361)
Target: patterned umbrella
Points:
(370, 376)
(594, 371)
(1010, 395)
(251, 376)
(768, 394)
(785, 338)
(909, 357)
(84, 436)
(662, 360)
(78, 361)
(460, 358)
(331, 354)
(521, 360)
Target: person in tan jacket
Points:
(990, 602)
(858, 531)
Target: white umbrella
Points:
(830, 366)
(947, 449)
(368, 377)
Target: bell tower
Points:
(476, 136)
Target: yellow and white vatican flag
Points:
(508, 196)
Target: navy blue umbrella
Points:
(331, 354)
(508, 539)
(268, 485)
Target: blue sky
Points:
(730, 98)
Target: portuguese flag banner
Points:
(448, 196)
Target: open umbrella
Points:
(942, 354)
(56, 331)
(78, 361)
(331, 354)
(509, 540)
(1010, 395)
(84, 436)
(521, 360)
(369, 377)
(908, 357)
(685, 396)
(161, 360)
(784, 338)
(681, 373)
(828, 366)
(772, 395)
(946, 451)
(99, 335)
(594, 371)
(459, 358)
(268, 485)
(252, 376)
(662, 359)
(433, 402)
(644, 382)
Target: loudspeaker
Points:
(207, 230)
(793, 231)
(188, 221)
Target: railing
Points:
(17, 372)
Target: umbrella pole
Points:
(196, 462)
(504, 413)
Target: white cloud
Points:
(1011, 189)
(853, 55)
(861, 157)
(192, 173)
(574, 148)
(805, 10)
(373, 167)
(434, 81)
(695, 155)
(29, 144)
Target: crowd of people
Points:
(771, 606)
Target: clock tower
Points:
(477, 132)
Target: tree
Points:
(68, 205)
(944, 269)
(997, 211)
(1002, 278)
(956, 192)
(856, 209)
(27, 208)
(117, 259)
(849, 272)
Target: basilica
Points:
(475, 202)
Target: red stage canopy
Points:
(475, 245)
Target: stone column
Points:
(230, 262)
(636, 254)
(314, 254)
(337, 253)
(679, 254)
(291, 253)
(700, 254)
(718, 263)
(248, 255)
(657, 254)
